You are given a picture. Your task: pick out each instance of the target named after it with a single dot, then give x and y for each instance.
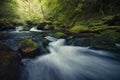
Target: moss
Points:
(60, 35)
(95, 22)
(28, 43)
(108, 18)
(104, 27)
(47, 27)
(77, 29)
(106, 40)
(111, 35)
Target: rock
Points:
(28, 48)
(103, 43)
(78, 28)
(106, 40)
(9, 63)
(30, 23)
(43, 24)
(84, 42)
(48, 27)
(60, 35)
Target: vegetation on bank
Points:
(76, 18)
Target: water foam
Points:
(71, 63)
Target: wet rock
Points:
(30, 23)
(106, 40)
(60, 35)
(28, 48)
(48, 27)
(84, 42)
(42, 25)
(103, 43)
(9, 63)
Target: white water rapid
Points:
(19, 28)
(71, 63)
(35, 29)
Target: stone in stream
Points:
(42, 25)
(9, 63)
(28, 48)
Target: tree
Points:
(8, 9)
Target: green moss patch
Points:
(77, 29)
(28, 43)
(60, 35)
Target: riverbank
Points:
(102, 33)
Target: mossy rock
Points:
(79, 28)
(95, 22)
(28, 48)
(60, 35)
(9, 63)
(58, 28)
(84, 42)
(49, 27)
(111, 35)
(28, 43)
(41, 25)
(106, 40)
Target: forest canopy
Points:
(63, 11)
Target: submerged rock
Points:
(28, 48)
(9, 63)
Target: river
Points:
(65, 62)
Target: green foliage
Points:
(8, 9)
(68, 12)
(30, 10)
(65, 12)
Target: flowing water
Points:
(65, 62)
(19, 28)
(72, 63)
(35, 29)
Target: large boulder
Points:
(9, 63)
(28, 48)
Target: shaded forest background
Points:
(67, 12)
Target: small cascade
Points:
(19, 28)
(34, 29)
(51, 38)
(117, 45)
